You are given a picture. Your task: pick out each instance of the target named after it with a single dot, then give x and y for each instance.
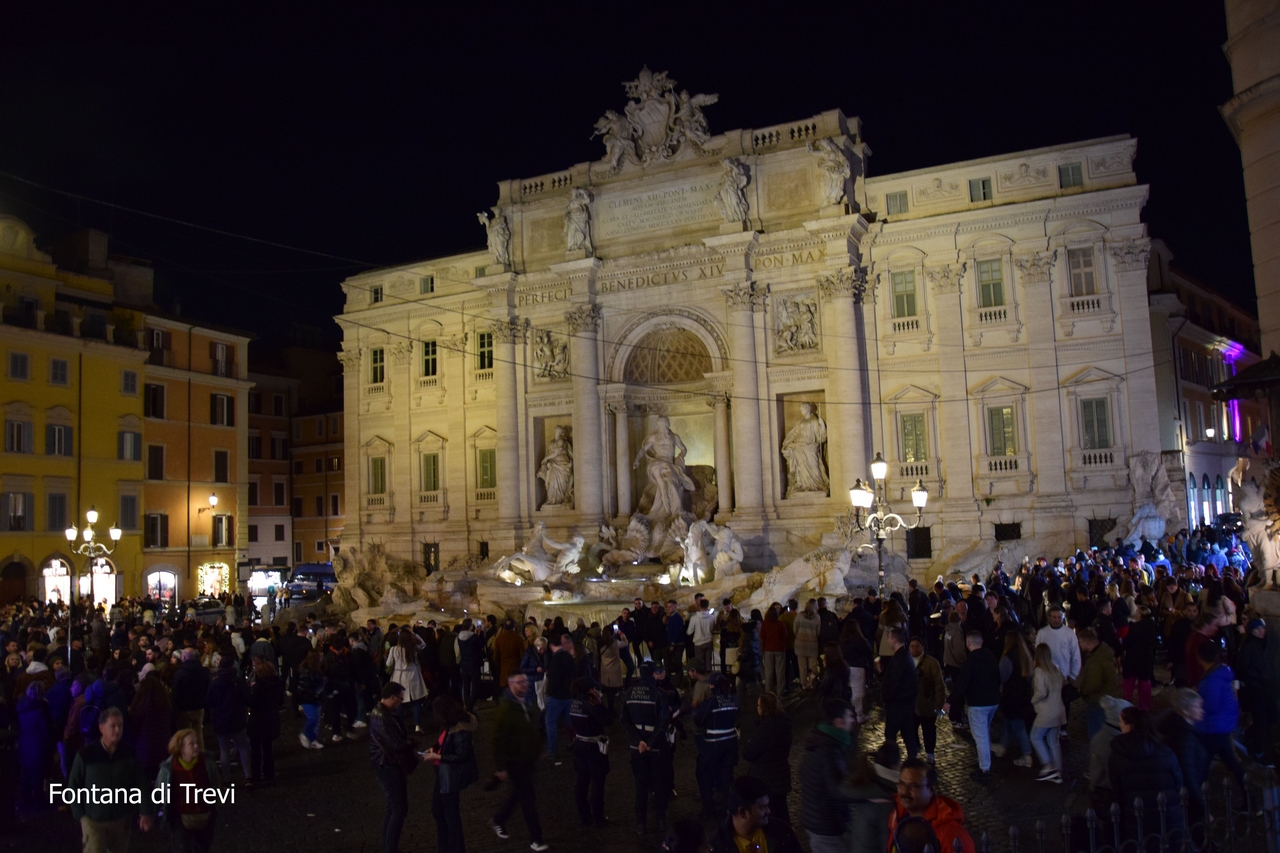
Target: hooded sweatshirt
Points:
(945, 815)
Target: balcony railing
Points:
(1098, 458)
(991, 316)
(913, 469)
(1002, 464)
(372, 390)
(377, 501)
(484, 375)
(906, 324)
(1081, 305)
(428, 381)
(430, 498)
(484, 496)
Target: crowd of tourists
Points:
(1148, 645)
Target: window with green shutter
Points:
(57, 440)
(56, 517)
(980, 189)
(1094, 424)
(904, 293)
(990, 283)
(378, 475)
(1070, 175)
(487, 469)
(913, 438)
(1003, 433)
(430, 472)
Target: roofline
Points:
(1101, 140)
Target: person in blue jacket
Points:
(1221, 709)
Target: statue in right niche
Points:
(802, 449)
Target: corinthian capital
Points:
(349, 359)
(844, 282)
(507, 331)
(744, 296)
(1036, 267)
(1131, 254)
(584, 318)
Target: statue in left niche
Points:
(835, 169)
(499, 236)
(556, 470)
(802, 448)
(731, 200)
(577, 222)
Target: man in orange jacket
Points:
(917, 796)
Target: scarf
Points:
(842, 737)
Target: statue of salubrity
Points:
(802, 448)
(556, 470)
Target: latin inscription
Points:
(559, 294)
(657, 209)
(778, 260)
(637, 282)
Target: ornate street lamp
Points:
(91, 547)
(879, 520)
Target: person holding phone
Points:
(455, 760)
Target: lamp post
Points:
(879, 520)
(91, 547)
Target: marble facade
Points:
(726, 280)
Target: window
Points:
(1003, 434)
(221, 466)
(1200, 422)
(484, 351)
(334, 506)
(335, 425)
(57, 440)
(128, 512)
(253, 493)
(431, 556)
(1008, 532)
(319, 427)
(378, 475)
(429, 362)
(427, 284)
(153, 402)
(904, 293)
(1082, 280)
(297, 466)
(321, 547)
(277, 494)
(220, 355)
(222, 410)
(16, 511)
(253, 533)
(319, 465)
(57, 515)
(223, 531)
(335, 463)
(1205, 497)
(320, 506)
(980, 189)
(990, 284)
(255, 445)
(486, 469)
(255, 403)
(279, 532)
(375, 294)
(155, 531)
(57, 371)
(377, 365)
(895, 202)
(155, 462)
(129, 446)
(1069, 175)
(129, 382)
(277, 405)
(297, 552)
(279, 447)
(18, 437)
(431, 472)
(297, 507)
(920, 543)
(484, 550)
(19, 365)
(913, 438)
(297, 430)
(1095, 428)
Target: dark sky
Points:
(373, 132)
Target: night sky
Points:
(372, 133)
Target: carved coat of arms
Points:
(657, 123)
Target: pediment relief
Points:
(130, 423)
(999, 387)
(430, 438)
(18, 411)
(1076, 229)
(58, 415)
(484, 432)
(378, 443)
(902, 257)
(913, 394)
(989, 244)
(1092, 376)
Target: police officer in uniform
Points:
(717, 716)
(588, 717)
(674, 730)
(645, 713)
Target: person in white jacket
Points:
(701, 626)
(1062, 642)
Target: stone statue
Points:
(657, 125)
(689, 118)
(696, 568)
(550, 356)
(607, 541)
(1260, 511)
(540, 558)
(1155, 507)
(663, 453)
(835, 169)
(556, 470)
(632, 548)
(727, 557)
(618, 133)
(577, 222)
(499, 234)
(796, 326)
(731, 200)
(802, 448)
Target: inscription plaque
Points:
(657, 209)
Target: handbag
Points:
(540, 691)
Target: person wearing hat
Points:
(645, 714)
(717, 745)
(588, 717)
(1258, 686)
(394, 758)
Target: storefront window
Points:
(215, 578)
(57, 581)
(161, 585)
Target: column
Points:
(583, 324)
(847, 411)
(744, 301)
(622, 456)
(724, 471)
(505, 335)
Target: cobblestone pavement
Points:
(329, 800)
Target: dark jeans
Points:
(716, 761)
(524, 792)
(262, 763)
(928, 723)
(447, 810)
(651, 775)
(956, 714)
(674, 657)
(341, 703)
(901, 721)
(470, 688)
(588, 791)
(1220, 746)
(395, 784)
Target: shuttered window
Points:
(57, 440)
(19, 437)
(430, 472)
(913, 438)
(129, 446)
(1095, 427)
(487, 469)
(155, 531)
(1003, 434)
(378, 475)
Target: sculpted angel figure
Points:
(731, 200)
(802, 448)
(617, 132)
(835, 169)
(689, 117)
(577, 221)
(556, 470)
(499, 234)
